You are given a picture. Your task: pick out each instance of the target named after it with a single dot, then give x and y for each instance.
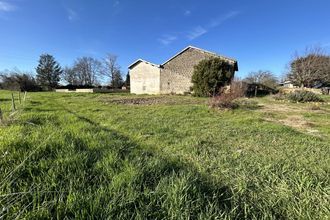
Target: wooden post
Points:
(255, 91)
(13, 107)
(24, 96)
(1, 117)
(19, 97)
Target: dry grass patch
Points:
(293, 115)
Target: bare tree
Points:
(88, 70)
(263, 77)
(70, 76)
(310, 68)
(111, 69)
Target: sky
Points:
(259, 34)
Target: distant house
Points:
(287, 84)
(173, 76)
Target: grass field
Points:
(112, 156)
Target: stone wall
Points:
(176, 74)
(145, 79)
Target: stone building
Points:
(173, 76)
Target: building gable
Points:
(203, 53)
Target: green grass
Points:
(84, 156)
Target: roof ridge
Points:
(207, 51)
(200, 49)
(142, 60)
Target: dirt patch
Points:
(281, 108)
(167, 100)
(291, 116)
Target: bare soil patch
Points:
(167, 100)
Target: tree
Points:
(311, 68)
(111, 69)
(117, 80)
(88, 70)
(17, 80)
(128, 80)
(48, 72)
(69, 75)
(210, 76)
(262, 77)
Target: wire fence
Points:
(11, 104)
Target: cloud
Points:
(72, 15)
(187, 13)
(6, 7)
(218, 21)
(196, 32)
(201, 30)
(167, 39)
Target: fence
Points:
(15, 105)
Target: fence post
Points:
(13, 107)
(19, 97)
(1, 117)
(24, 96)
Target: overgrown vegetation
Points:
(17, 80)
(303, 96)
(228, 98)
(81, 156)
(210, 76)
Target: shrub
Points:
(210, 76)
(304, 96)
(279, 96)
(226, 100)
(16, 80)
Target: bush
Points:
(279, 96)
(226, 100)
(210, 76)
(16, 80)
(304, 96)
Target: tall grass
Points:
(75, 156)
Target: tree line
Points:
(309, 69)
(84, 72)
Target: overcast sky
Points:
(259, 34)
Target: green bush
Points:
(210, 76)
(279, 96)
(304, 96)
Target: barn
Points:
(171, 77)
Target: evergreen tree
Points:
(48, 72)
(210, 75)
(117, 80)
(128, 80)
